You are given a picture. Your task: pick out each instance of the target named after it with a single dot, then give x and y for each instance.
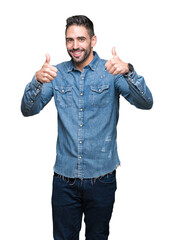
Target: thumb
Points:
(114, 52)
(48, 58)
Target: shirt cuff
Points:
(35, 85)
(135, 80)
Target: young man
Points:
(86, 91)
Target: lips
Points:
(76, 53)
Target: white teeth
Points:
(76, 53)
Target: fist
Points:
(115, 65)
(47, 73)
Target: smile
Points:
(76, 53)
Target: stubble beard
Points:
(78, 60)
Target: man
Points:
(86, 91)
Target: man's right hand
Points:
(47, 73)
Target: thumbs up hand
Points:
(47, 73)
(48, 58)
(115, 65)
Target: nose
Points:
(75, 45)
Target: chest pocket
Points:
(99, 95)
(63, 96)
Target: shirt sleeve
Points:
(36, 96)
(133, 88)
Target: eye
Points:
(69, 40)
(82, 39)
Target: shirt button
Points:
(81, 109)
(63, 90)
(81, 125)
(81, 94)
(80, 142)
(99, 90)
(82, 78)
(141, 93)
(80, 157)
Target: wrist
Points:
(36, 77)
(129, 69)
(126, 68)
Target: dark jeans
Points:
(73, 197)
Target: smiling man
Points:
(79, 43)
(86, 91)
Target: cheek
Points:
(69, 46)
(86, 46)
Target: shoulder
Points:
(99, 64)
(64, 66)
(102, 61)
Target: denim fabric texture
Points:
(73, 197)
(88, 110)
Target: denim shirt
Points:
(88, 110)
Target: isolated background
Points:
(142, 32)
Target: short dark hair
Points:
(81, 20)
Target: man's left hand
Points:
(115, 65)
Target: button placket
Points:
(80, 124)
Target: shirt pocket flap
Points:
(99, 88)
(63, 89)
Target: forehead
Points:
(74, 31)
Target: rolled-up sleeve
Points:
(134, 89)
(36, 96)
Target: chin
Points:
(76, 60)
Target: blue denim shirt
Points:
(88, 110)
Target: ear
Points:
(93, 41)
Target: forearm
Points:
(140, 93)
(134, 89)
(33, 99)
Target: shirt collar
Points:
(92, 64)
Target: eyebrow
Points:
(70, 38)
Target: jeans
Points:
(72, 197)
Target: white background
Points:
(142, 32)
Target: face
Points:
(80, 45)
